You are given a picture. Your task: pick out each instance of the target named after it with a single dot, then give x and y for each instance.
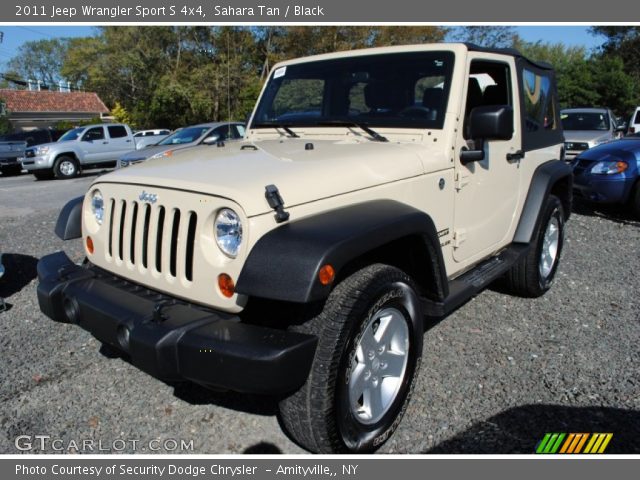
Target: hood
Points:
(624, 149)
(240, 171)
(586, 135)
(50, 145)
(150, 151)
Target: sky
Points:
(14, 36)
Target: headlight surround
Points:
(97, 206)
(228, 232)
(167, 153)
(609, 168)
(42, 151)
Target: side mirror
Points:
(86, 139)
(490, 122)
(211, 139)
(621, 128)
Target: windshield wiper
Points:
(362, 126)
(284, 127)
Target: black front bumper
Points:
(172, 340)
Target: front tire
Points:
(369, 350)
(635, 200)
(66, 167)
(11, 170)
(533, 275)
(43, 174)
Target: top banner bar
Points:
(310, 11)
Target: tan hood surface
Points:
(330, 168)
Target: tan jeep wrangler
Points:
(374, 188)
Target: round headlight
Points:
(97, 206)
(228, 230)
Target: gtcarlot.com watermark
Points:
(47, 443)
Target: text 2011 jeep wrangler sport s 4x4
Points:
(374, 188)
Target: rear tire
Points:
(369, 350)
(533, 275)
(66, 167)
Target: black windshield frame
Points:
(400, 71)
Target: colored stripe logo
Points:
(574, 443)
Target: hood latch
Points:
(275, 201)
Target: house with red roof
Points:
(29, 109)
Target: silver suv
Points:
(585, 128)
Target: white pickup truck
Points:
(80, 148)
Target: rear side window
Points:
(540, 113)
(117, 131)
(637, 117)
(539, 102)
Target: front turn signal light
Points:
(90, 245)
(226, 285)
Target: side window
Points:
(489, 84)
(539, 102)
(96, 133)
(222, 132)
(139, 134)
(240, 129)
(117, 131)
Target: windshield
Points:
(585, 121)
(389, 90)
(71, 135)
(186, 135)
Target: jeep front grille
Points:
(152, 237)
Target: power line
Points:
(35, 31)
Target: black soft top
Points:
(508, 51)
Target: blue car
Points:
(610, 173)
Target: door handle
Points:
(518, 155)
(104, 143)
(128, 141)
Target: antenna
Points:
(228, 86)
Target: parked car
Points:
(634, 122)
(83, 147)
(144, 138)
(12, 147)
(585, 128)
(610, 173)
(204, 133)
(304, 259)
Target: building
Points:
(40, 109)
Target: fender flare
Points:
(69, 224)
(544, 178)
(284, 263)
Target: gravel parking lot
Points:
(497, 374)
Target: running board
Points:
(474, 281)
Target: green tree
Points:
(40, 60)
(496, 36)
(121, 114)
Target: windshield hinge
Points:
(275, 201)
